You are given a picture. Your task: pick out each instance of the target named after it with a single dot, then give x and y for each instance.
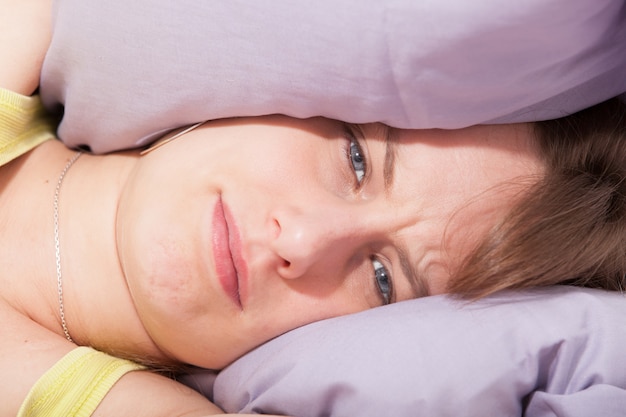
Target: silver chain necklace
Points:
(57, 246)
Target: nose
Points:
(316, 238)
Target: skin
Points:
(308, 229)
(24, 47)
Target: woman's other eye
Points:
(356, 157)
(383, 280)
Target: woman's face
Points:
(246, 228)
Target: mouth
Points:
(229, 264)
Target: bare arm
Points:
(24, 38)
(145, 394)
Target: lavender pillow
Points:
(126, 72)
(552, 352)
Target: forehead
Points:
(475, 144)
(466, 160)
(486, 149)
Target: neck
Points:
(98, 307)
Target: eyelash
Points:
(356, 157)
(358, 165)
(384, 283)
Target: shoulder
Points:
(28, 352)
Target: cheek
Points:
(155, 240)
(156, 261)
(285, 164)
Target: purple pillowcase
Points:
(553, 352)
(126, 72)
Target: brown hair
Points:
(571, 226)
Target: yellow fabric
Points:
(24, 124)
(75, 385)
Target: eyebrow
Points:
(419, 287)
(390, 138)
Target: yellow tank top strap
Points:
(24, 124)
(75, 385)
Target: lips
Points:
(229, 264)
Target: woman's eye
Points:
(356, 158)
(383, 280)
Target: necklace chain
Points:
(57, 246)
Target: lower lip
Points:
(223, 239)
